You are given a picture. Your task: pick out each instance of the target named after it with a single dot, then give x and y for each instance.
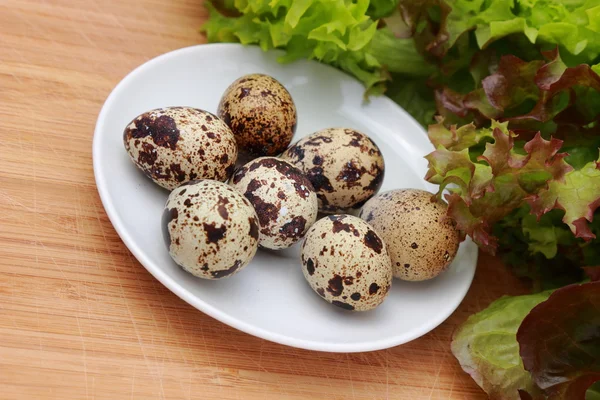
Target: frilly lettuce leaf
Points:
(578, 195)
(530, 94)
(544, 346)
(512, 84)
(572, 25)
(486, 188)
(457, 139)
(336, 32)
(486, 347)
(545, 251)
(518, 167)
(560, 341)
(572, 95)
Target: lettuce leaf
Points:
(486, 347)
(518, 166)
(487, 186)
(381, 8)
(578, 195)
(560, 341)
(539, 346)
(544, 250)
(532, 95)
(413, 95)
(572, 25)
(593, 392)
(336, 32)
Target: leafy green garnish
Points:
(593, 392)
(490, 184)
(486, 347)
(336, 32)
(573, 25)
(553, 335)
(560, 341)
(500, 179)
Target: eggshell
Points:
(261, 113)
(345, 261)
(421, 239)
(344, 165)
(174, 145)
(283, 198)
(210, 229)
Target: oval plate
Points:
(270, 298)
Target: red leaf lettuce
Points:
(560, 341)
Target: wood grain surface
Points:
(80, 318)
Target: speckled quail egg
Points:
(174, 145)
(421, 240)
(345, 167)
(261, 113)
(211, 230)
(345, 261)
(283, 198)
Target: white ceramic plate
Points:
(270, 298)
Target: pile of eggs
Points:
(310, 191)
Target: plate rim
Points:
(198, 303)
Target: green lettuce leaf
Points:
(560, 341)
(578, 194)
(533, 95)
(414, 96)
(572, 25)
(571, 94)
(398, 55)
(457, 139)
(593, 392)
(521, 167)
(381, 8)
(544, 250)
(336, 32)
(498, 181)
(540, 346)
(486, 347)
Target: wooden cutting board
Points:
(80, 318)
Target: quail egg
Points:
(261, 113)
(283, 198)
(421, 239)
(345, 167)
(210, 229)
(345, 261)
(174, 145)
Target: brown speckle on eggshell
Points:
(421, 240)
(283, 198)
(344, 165)
(210, 229)
(261, 113)
(355, 272)
(174, 145)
